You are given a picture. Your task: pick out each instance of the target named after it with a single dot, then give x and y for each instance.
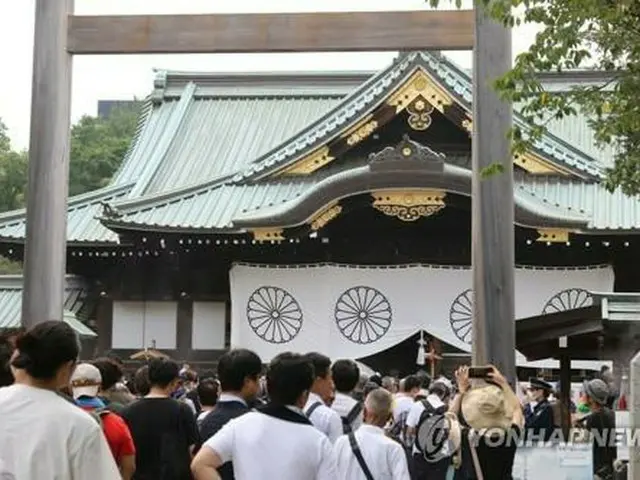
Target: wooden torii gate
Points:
(59, 35)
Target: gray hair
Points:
(388, 382)
(379, 402)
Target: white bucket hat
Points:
(484, 408)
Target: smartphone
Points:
(480, 372)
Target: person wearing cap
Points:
(538, 413)
(85, 387)
(602, 425)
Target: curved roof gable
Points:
(447, 81)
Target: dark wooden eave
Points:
(538, 337)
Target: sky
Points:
(125, 77)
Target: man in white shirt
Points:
(437, 400)
(346, 375)
(369, 449)
(402, 404)
(43, 435)
(322, 417)
(405, 398)
(276, 441)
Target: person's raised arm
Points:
(462, 380)
(510, 398)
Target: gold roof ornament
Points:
(553, 235)
(312, 162)
(409, 205)
(361, 130)
(268, 234)
(420, 114)
(420, 84)
(325, 216)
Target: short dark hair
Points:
(141, 381)
(368, 388)
(208, 392)
(288, 377)
(110, 371)
(439, 389)
(114, 357)
(346, 375)
(6, 350)
(425, 379)
(43, 349)
(321, 364)
(411, 382)
(163, 371)
(235, 366)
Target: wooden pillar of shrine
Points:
(492, 202)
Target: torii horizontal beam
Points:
(271, 32)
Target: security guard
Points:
(538, 414)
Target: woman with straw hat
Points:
(493, 420)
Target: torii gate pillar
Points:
(492, 202)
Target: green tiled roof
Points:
(83, 225)
(199, 127)
(200, 134)
(209, 206)
(605, 210)
(224, 205)
(217, 136)
(374, 91)
(576, 131)
(11, 304)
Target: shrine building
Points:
(328, 212)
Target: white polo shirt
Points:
(343, 404)
(324, 418)
(402, 404)
(384, 457)
(416, 412)
(262, 446)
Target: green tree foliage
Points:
(13, 181)
(577, 34)
(13, 173)
(98, 146)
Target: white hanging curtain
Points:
(349, 311)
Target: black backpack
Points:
(347, 422)
(398, 429)
(432, 432)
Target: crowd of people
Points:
(304, 417)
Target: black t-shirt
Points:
(602, 424)
(163, 429)
(495, 455)
(222, 414)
